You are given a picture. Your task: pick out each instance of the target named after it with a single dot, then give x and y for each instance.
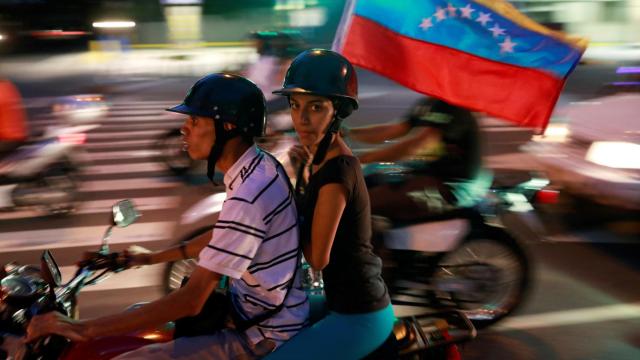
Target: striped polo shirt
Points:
(255, 243)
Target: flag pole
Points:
(343, 26)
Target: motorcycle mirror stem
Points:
(104, 247)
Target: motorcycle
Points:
(29, 291)
(40, 173)
(470, 259)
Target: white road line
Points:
(128, 134)
(134, 112)
(129, 279)
(160, 118)
(144, 103)
(83, 236)
(103, 206)
(128, 184)
(117, 155)
(570, 317)
(134, 126)
(120, 144)
(124, 168)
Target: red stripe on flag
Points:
(522, 95)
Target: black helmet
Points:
(322, 72)
(229, 98)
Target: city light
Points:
(114, 24)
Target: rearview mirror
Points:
(49, 270)
(124, 213)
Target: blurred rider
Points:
(439, 143)
(13, 120)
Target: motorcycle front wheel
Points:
(486, 277)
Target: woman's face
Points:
(198, 136)
(311, 115)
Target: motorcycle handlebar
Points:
(113, 262)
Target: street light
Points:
(114, 24)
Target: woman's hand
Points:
(55, 323)
(300, 155)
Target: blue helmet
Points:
(228, 98)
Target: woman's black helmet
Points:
(324, 73)
(228, 98)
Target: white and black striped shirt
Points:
(255, 243)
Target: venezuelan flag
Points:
(482, 54)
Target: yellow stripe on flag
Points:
(505, 9)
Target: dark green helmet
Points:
(324, 73)
(228, 98)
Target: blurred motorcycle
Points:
(40, 173)
(470, 257)
(31, 290)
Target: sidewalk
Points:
(134, 62)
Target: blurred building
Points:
(47, 25)
(599, 20)
(58, 24)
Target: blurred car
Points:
(598, 156)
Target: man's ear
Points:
(229, 126)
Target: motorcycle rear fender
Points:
(438, 236)
(210, 205)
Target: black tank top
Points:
(352, 279)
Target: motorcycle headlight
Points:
(615, 154)
(16, 286)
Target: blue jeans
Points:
(339, 336)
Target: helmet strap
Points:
(323, 147)
(222, 136)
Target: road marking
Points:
(128, 184)
(105, 121)
(126, 134)
(117, 155)
(570, 317)
(103, 206)
(83, 236)
(120, 144)
(124, 168)
(129, 279)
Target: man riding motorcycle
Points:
(253, 244)
(441, 151)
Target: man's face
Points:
(198, 136)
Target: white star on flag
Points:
(426, 23)
(484, 18)
(466, 11)
(440, 14)
(497, 31)
(507, 45)
(452, 10)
